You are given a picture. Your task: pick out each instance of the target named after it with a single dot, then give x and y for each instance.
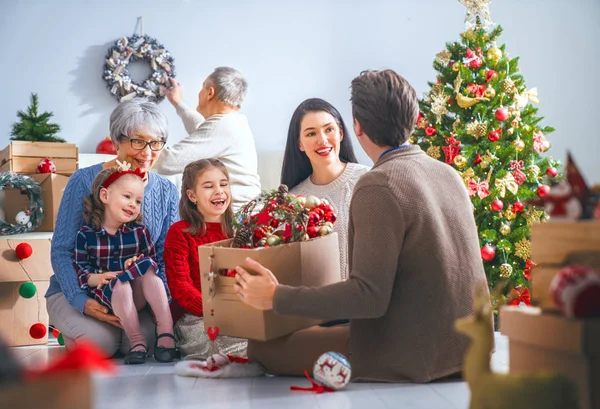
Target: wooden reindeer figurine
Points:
(489, 390)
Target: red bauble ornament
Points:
(489, 75)
(312, 231)
(488, 252)
(330, 217)
(475, 63)
(274, 223)
(493, 136)
(46, 166)
(23, 251)
(576, 291)
(518, 207)
(430, 131)
(313, 218)
(477, 160)
(502, 114)
(212, 332)
(326, 208)
(55, 333)
(38, 331)
(552, 172)
(497, 205)
(106, 146)
(543, 190)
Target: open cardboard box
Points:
(311, 263)
(18, 314)
(545, 341)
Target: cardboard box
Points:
(547, 341)
(312, 263)
(557, 245)
(18, 314)
(24, 157)
(52, 186)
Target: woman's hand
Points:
(257, 291)
(175, 94)
(94, 309)
(99, 280)
(130, 261)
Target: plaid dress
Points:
(97, 251)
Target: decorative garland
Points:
(30, 218)
(135, 48)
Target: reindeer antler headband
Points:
(124, 169)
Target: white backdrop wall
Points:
(289, 51)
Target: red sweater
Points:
(182, 266)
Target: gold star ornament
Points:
(477, 9)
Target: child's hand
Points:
(130, 261)
(99, 280)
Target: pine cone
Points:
(282, 192)
(480, 130)
(508, 86)
(242, 237)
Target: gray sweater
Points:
(414, 260)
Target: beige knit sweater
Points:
(414, 261)
(226, 137)
(338, 193)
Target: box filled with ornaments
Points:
(25, 157)
(291, 236)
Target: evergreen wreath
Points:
(135, 48)
(33, 216)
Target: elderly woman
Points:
(139, 131)
(216, 130)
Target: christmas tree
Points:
(34, 127)
(478, 118)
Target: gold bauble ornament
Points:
(490, 92)
(460, 161)
(456, 67)
(324, 230)
(273, 240)
(509, 214)
(505, 270)
(494, 54)
(312, 202)
(534, 170)
(519, 145)
(504, 229)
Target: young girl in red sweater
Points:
(206, 217)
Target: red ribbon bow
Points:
(479, 189)
(315, 387)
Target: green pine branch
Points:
(33, 127)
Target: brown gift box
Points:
(24, 157)
(312, 263)
(18, 314)
(557, 245)
(52, 186)
(547, 341)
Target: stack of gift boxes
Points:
(562, 332)
(24, 273)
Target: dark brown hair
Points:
(385, 105)
(94, 208)
(296, 165)
(188, 210)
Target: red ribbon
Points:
(116, 175)
(316, 388)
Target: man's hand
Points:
(175, 94)
(130, 261)
(257, 291)
(94, 309)
(99, 280)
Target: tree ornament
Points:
(510, 214)
(510, 131)
(533, 215)
(443, 57)
(502, 114)
(460, 161)
(106, 146)
(456, 67)
(55, 333)
(434, 152)
(488, 77)
(493, 136)
(519, 144)
(46, 166)
(504, 229)
(552, 172)
(27, 289)
(61, 339)
(332, 370)
(23, 251)
(430, 131)
(518, 207)
(508, 86)
(324, 230)
(523, 248)
(497, 205)
(273, 240)
(576, 291)
(534, 171)
(476, 129)
(489, 93)
(466, 102)
(312, 202)
(494, 54)
(543, 190)
(22, 218)
(488, 252)
(38, 331)
(505, 270)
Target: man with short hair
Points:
(414, 258)
(216, 130)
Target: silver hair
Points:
(138, 115)
(230, 85)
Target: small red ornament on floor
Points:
(46, 166)
(576, 291)
(488, 252)
(38, 331)
(23, 251)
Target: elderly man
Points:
(216, 130)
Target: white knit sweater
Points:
(338, 193)
(226, 137)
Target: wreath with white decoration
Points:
(135, 48)
(30, 218)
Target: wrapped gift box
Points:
(18, 314)
(547, 341)
(311, 263)
(24, 157)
